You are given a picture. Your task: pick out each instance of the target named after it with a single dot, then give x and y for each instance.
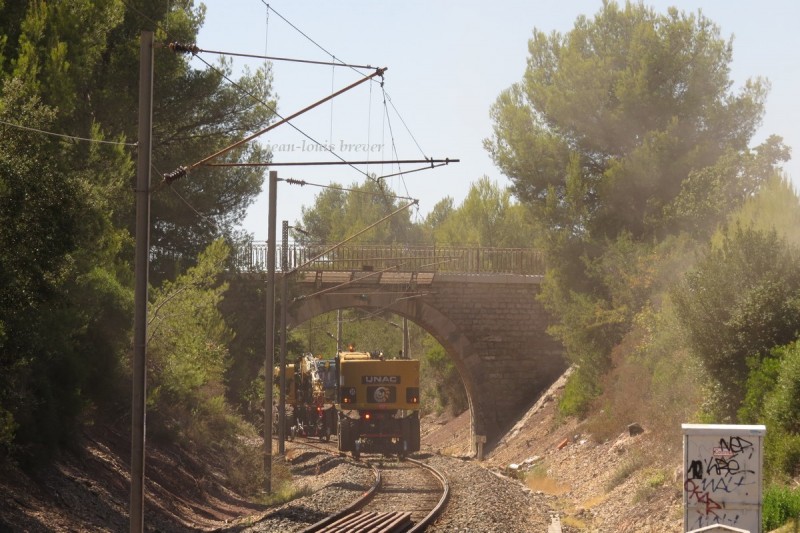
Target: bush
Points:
(209, 429)
(740, 302)
(441, 382)
(578, 394)
(773, 390)
(780, 505)
(7, 430)
(781, 454)
(629, 467)
(783, 403)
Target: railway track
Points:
(407, 496)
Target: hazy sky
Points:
(447, 62)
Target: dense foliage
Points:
(67, 202)
(339, 213)
(64, 305)
(739, 302)
(623, 131)
(613, 117)
(781, 504)
(671, 242)
(187, 334)
(488, 216)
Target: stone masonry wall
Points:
(491, 325)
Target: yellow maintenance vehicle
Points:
(310, 390)
(378, 403)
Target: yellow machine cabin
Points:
(378, 404)
(367, 382)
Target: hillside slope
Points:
(629, 484)
(88, 488)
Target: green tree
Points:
(623, 131)
(739, 302)
(440, 381)
(197, 112)
(338, 214)
(187, 335)
(781, 412)
(437, 217)
(776, 207)
(81, 58)
(55, 46)
(68, 66)
(487, 217)
(626, 104)
(188, 358)
(64, 303)
(709, 194)
(320, 220)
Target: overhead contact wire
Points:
(65, 136)
(302, 183)
(182, 171)
(341, 62)
(378, 72)
(196, 50)
(298, 30)
(386, 95)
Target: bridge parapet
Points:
(398, 257)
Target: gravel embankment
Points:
(480, 501)
(331, 482)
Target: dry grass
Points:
(574, 522)
(538, 480)
(628, 468)
(546, 485)
(595, 501)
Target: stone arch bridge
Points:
(478, 303)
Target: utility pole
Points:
(405, 339)
(284, 304)
(338, 330)
(141, 271)
(270, 341)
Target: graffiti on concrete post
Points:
(722, 476)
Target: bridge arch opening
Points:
(455, 344)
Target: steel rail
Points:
(436, 511)
(354, 506)
(353, 520)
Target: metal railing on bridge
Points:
(414, 258)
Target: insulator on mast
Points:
(179, 172)
(184, 48)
